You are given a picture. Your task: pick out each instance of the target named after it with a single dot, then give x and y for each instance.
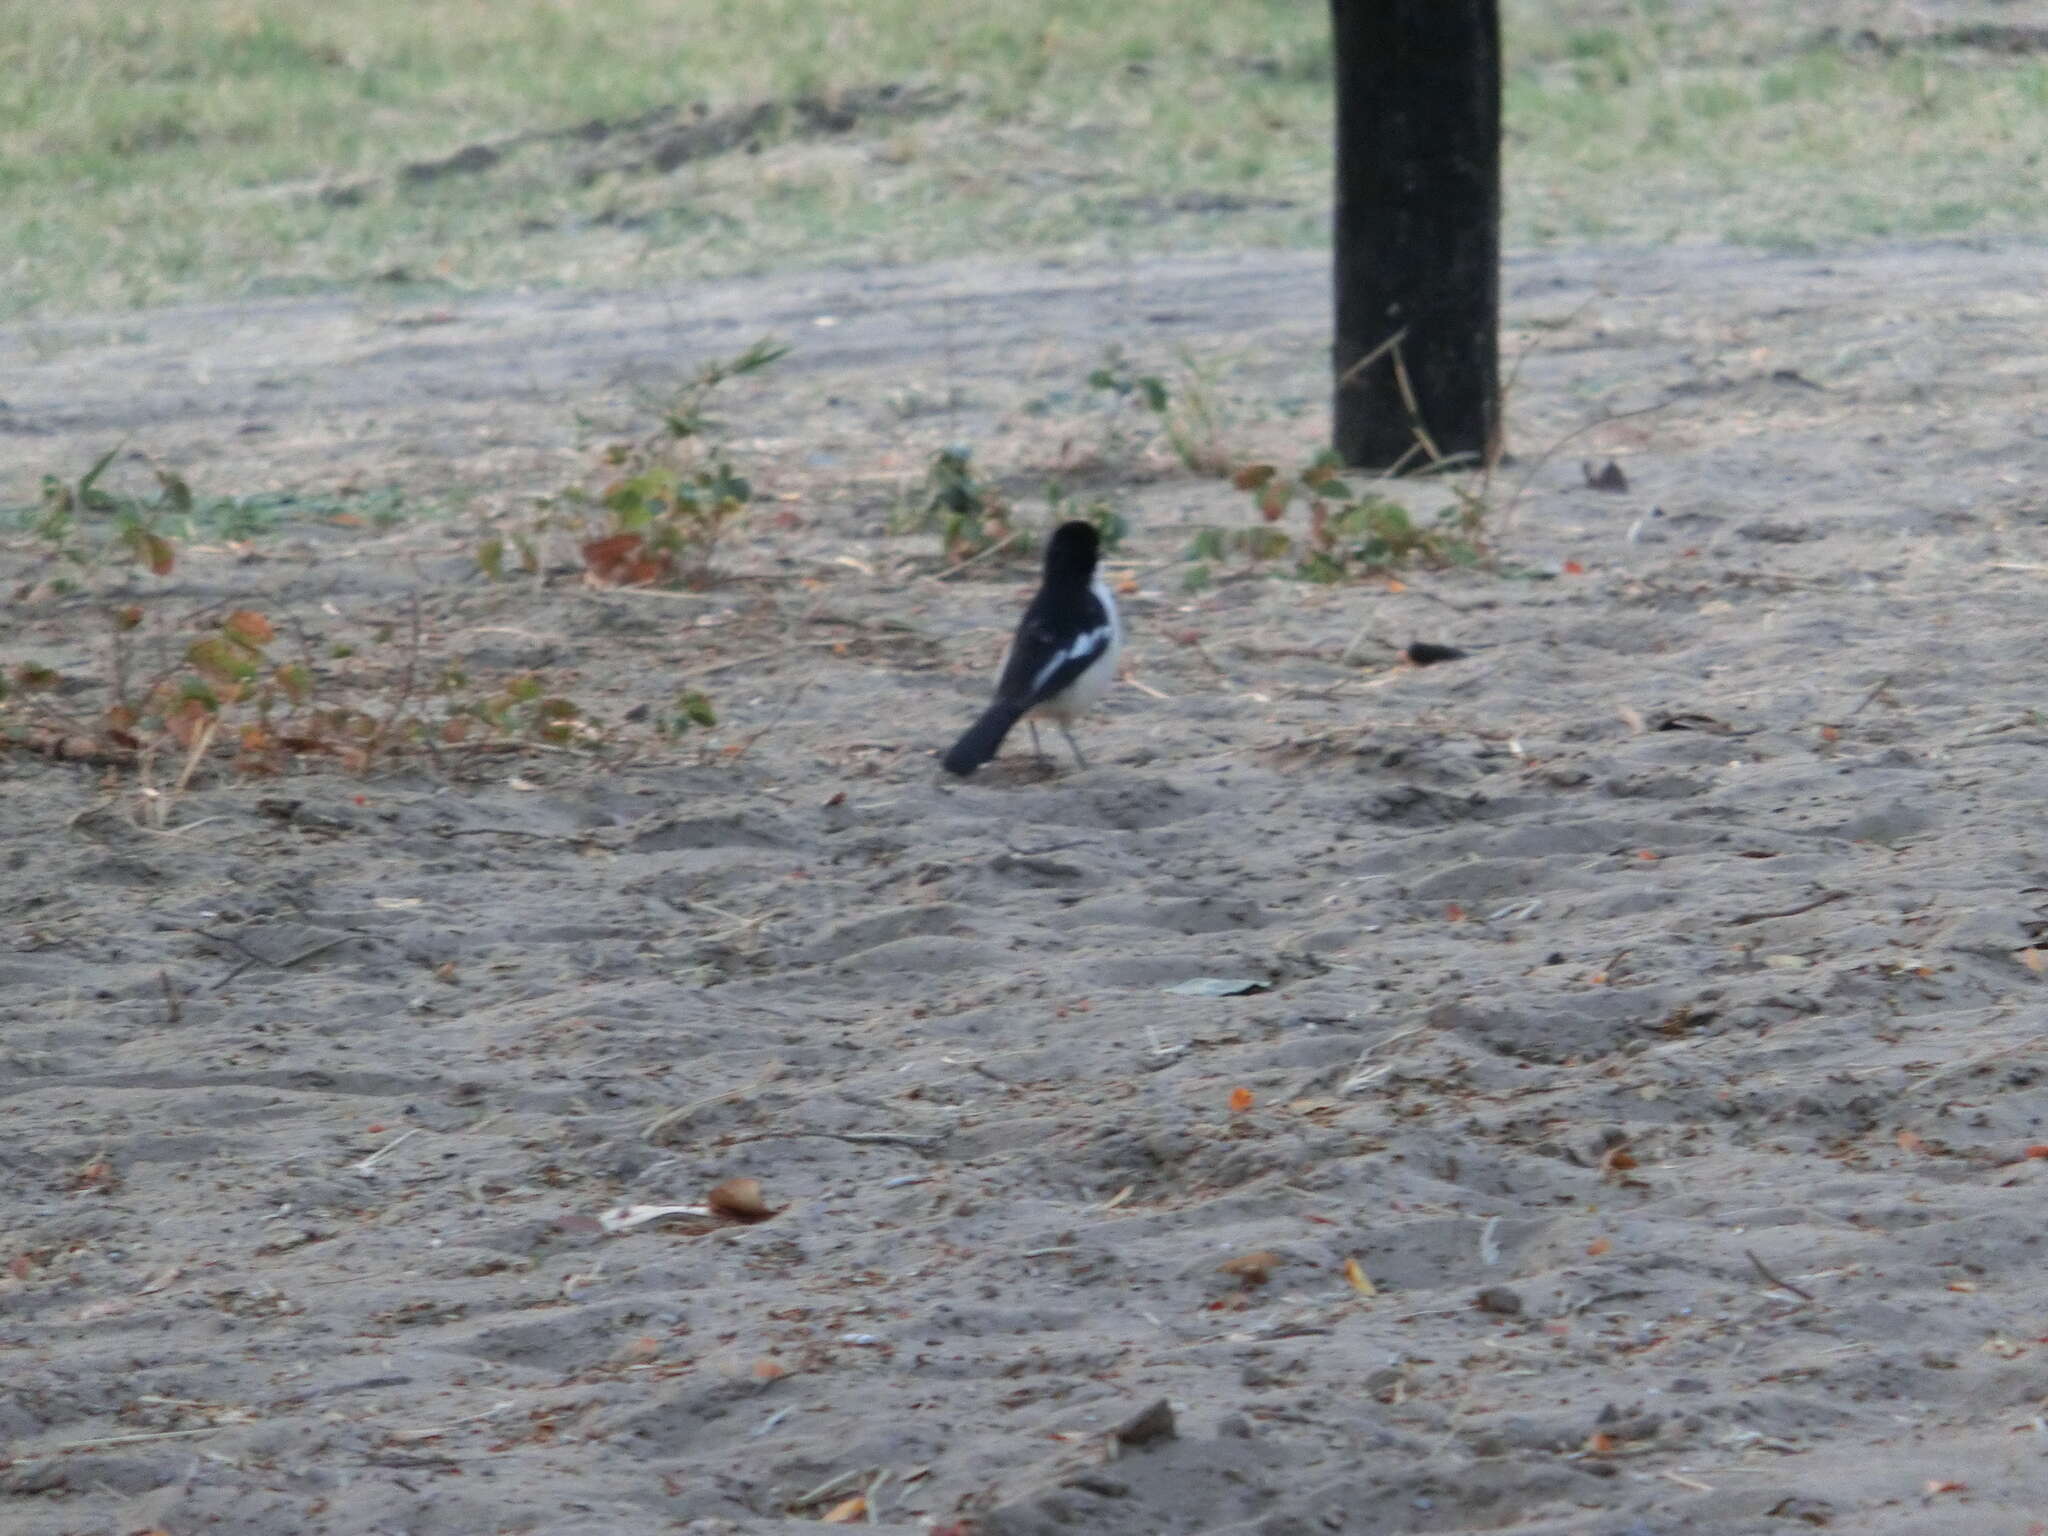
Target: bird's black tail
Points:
(982, 739)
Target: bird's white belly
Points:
(1086, 691)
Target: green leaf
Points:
(1274, 497)
(1261, 543)
(87, 495)
(295, 681)
(220, 658)
(177, 494)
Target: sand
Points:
(1647, 1005)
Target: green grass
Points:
(182, 151)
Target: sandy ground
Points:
(1650, 1003)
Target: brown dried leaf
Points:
(249, 627)
(739, 1200)
(1616, 1161)
(848, 1511)
(1251, 1269)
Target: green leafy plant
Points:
(970, 516)
(664, 500)
(1349, 534)
(1190, 417)
(225, 690)
(85, 530)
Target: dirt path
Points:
(1650, 1003)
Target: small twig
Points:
(365, 1164)
(172, 1008)
(433, 1430)
(973, 560)
(1414, 409)
(317, 949)
(773, 721)
(1350, 375)
(538, 837)
(1876, 688)
(832, 1485)
(754, 656)
(858, 1138)
(1762, 917)
(405, 687)
(681, 1112)
(1765, 1270)
(160, 1434)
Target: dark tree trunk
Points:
(1418, 230)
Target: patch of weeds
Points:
(974, 518)
(661, 503)
(85, 531)
(690, 710)
(1188, 414)
(239, 519)
(228, 688)
(1349, 534)
(970, 515)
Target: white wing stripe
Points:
(1091, 644)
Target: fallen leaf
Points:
(1453, 913)
(739, 1200)
(1946, 1485)
(1616, 1160)
(1600, 1443)
(2038, 1149)
(1573, 568)
(1911, 1141)
(847, 1512)
(768, 1370)
(1648, 855)
(250, 627)
(1598, 1246)
(2034, 959)
(1253, 1269)
(1240, 1100)
(1360, 1281)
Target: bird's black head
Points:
(1072, 551)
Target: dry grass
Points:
(218, 147)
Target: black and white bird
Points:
(1063, 658)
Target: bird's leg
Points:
(1036, 750)
(1073, 745)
